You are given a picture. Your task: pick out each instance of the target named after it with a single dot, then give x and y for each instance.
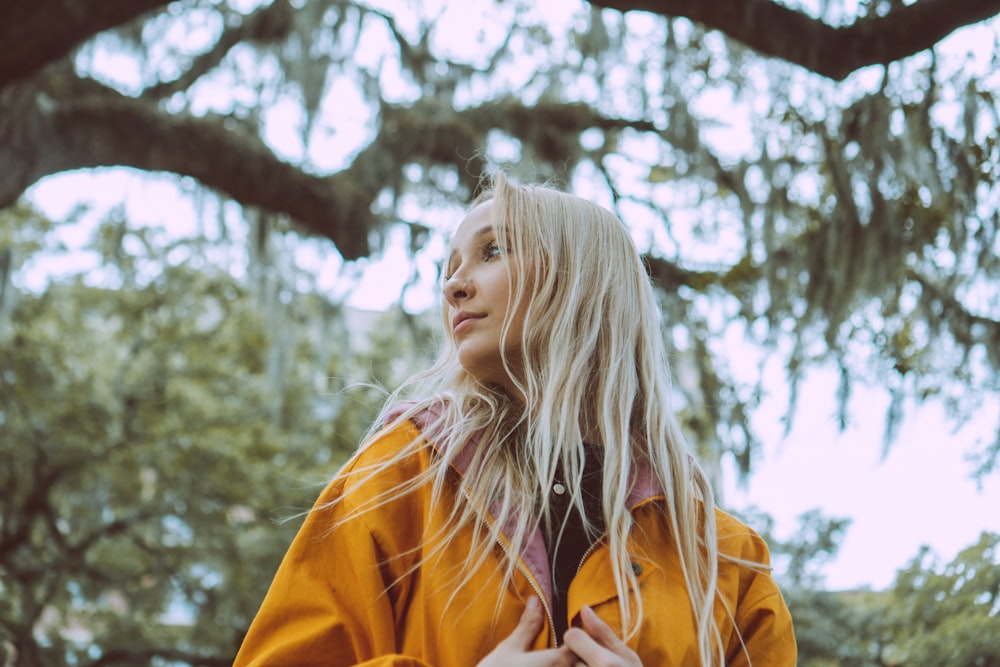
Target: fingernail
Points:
(533, 602)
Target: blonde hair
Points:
(592, 365)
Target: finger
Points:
(563, 657)
(595, 643)
(600, 631)
(586, 648)
(528, 627)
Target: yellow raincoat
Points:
(329, 605)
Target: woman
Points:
(530, 499)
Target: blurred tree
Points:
(947, 615)
(883, 31)
(932, 615)
(151, 438)
(150, 427)
(832, 628)
(852, 223)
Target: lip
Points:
(462, 317)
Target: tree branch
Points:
(775, 30)
(266, 24)
(66, 123)
(80, 123)
(967, 327)
(37, 32)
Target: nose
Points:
(457, 288)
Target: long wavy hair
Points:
(591, 366)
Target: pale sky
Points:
(922, 493)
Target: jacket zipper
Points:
(527, 574)
(586, 555)
(538, 592)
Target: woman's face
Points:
(479, 297)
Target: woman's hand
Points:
(515, 650)
(596, 645)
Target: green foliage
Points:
(161, 440)
(948, 615)
(150, 431)
(847, 224)
(800, 558)
(832, 629)
(932, 616)
(838, 628)
(153, 456)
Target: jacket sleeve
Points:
(765, 627)
(765, 636)
(328, 604)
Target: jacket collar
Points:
(645, 485)
(533, 553)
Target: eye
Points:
(491, 250)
